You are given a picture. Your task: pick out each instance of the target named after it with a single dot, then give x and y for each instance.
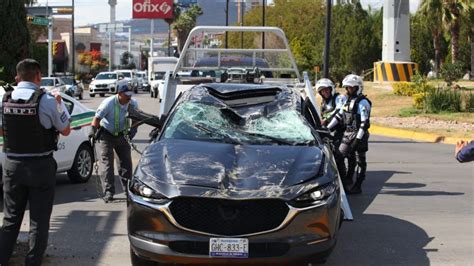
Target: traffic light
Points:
(55, 48)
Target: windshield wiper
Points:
(212, 131)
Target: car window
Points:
(126, 74)
(106, 76)
(68, 81)
(198, 121)
(69, 105)
(47, 82)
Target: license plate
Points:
(229, 247)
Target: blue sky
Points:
(96, 11)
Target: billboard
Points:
(152, 9)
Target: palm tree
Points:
(445, 13)
(433, 12)
(185, 23)
(453, 9)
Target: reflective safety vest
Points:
(350, 116)
(327, 107)
(22, 130)
(117, 132)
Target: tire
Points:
(82, 166)
(92, 95)
(137, 261)
(102, 94)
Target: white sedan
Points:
(74, 155)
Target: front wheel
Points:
(102, 95)
(92, 95)
(81, 169)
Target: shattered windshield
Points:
(198, 121)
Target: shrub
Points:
(442, 99)
(409, 88)
(452, 72)
(419, 100)
(404, 88)
(469, 102)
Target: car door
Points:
(67, 145)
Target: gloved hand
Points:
(354, 145)
(132, 132)
(92, 132)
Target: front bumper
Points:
(102, 89)
(307, 234)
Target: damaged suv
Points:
(238, 174)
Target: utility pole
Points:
(327, 38)
(169, 39)
(264, 3)
(130, 40)
(226, 21)
(50, 41)
(112, 4)
(152, 31)
(73, 46)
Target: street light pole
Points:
(50, 41)
(73, 46)
(264, 3)
(226, 21)
(327, 38)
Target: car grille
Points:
(228, 217)
(256, 250)
(101, 86)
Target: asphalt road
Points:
(416, 209)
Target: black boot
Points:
(356, 189)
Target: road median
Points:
(412, 135)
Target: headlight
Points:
(140, 189)
(318, 195)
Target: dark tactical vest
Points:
(22, 130)
(350, 116)
(328, 106)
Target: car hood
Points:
(208, 169)
(103, 81)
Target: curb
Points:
(412, 135)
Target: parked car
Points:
(53, 83)
(74, 88)
(104, 83)
(131, 77)
(143, 81)
(74, 155)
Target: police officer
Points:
(355, 115)
(31, 121)
(331, 104)
(111, 116)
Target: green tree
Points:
(355, 33)
(445, 14)
(14, 36)
(185, 23)
(421, 43)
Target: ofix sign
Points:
(152, 9)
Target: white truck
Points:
(157, 68)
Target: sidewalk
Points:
(412, 135)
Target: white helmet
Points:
(325, 83)
(352, 80)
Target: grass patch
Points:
(408, 112)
